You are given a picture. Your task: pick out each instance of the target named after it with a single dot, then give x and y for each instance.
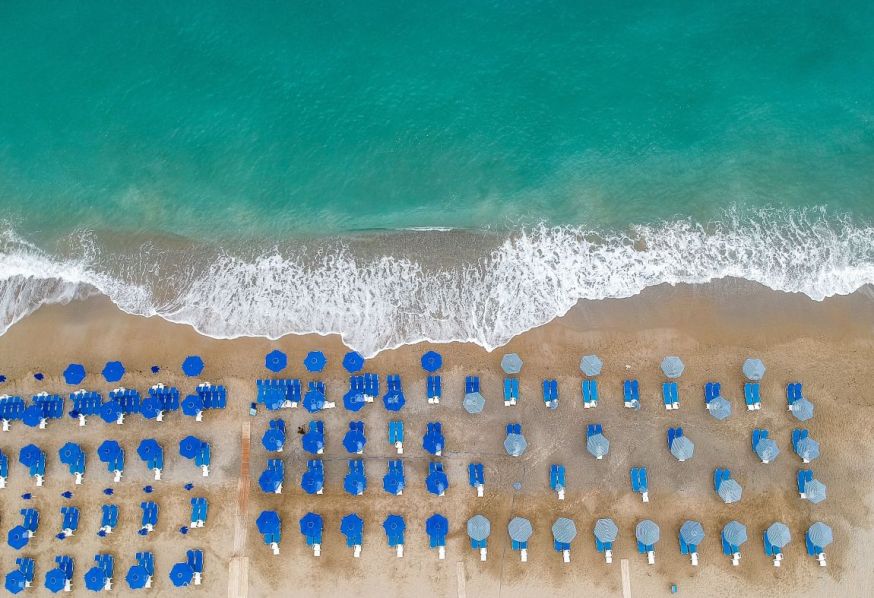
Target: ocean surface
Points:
(396, 172)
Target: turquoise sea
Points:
(258, 168)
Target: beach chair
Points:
(85, 403)
(670, 396)
(60, 579)
(311, 527)
(640, 482)
(471, 384)
(203, 458)
(150, 517)
(161, 399)
(195, 561)
(394, 399)
(605, 532)
(394, 527)
(270, 526)
(394, 480)
(631, 394)
(273, 477)
(11, 409)
(199, 511)
(804, 446)
(313, 441)
(355, 482)
(315, 398)
(590, 393)
(352, 526)
(680, 446)
(809, 488)
(396, 435)
(550, 394)
(476, 478)
(108, 519)
(313, 479)
(564, 531)
(511, 391)
(436, 526)
(557, 479)
(371, 386)
(111, 453)
(436, 482)
(69, 521)
(4, 469)
(433, 440)
(212, 396)
(293, 393)
(355, 440)
(434, 389)
(355, 398)
(711, 391)
(22, 577)
(752, 397)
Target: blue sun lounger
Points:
(69, 522)
(640, 481)
(394, 399)
(434, 389)
(273, 477)
(108, 519)
(4, 469)
(511, 391)
(128, 400)
(11, 409)
(85, 403)
(794, 392)
(354, 398)
(550, 393)
(313, 479)
(557, 479)
(355, 482)
(161, 399)
(590, 393)
(371, 386)
(687, 548)
(194, 558)
(631, 394)
(471, 384)
(476, 477)
(282, 393)
(150, 517)
(711, 391)
(720, 475)
(32, 457)
(752, 397)
(45, 407)
(670, 395)
(394, 481)
(396, 435)
(199, 511)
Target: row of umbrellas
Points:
(114, 371)
(353, 361)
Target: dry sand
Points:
(713, 327)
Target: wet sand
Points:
(827, 345)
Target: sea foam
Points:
(533, 275)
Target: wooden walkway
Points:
(238, 569)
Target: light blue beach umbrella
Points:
(515, 444)
(591, 365)
(730, 491)
(192, 366)
(767, 449)
(807, 448)
(74, 374)
(820, 535)
(275, 361)
(478, 528)
(719, 408)
(735, 533)
(682, 448)
(353, 362)
(802, 409)
(597, 445)
(815, 491)
(778, 534)
(606, 530)
(315, 361)
(754, 369)
(474, 402)
(511, 363)
(520, 529)
(564, 530)
(692, 532)
(647, 532)
(672, 367)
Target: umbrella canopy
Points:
(351, 524)
(647, 532)
(520, 529)
(730, 491)
(109, 411)
(437, 525)
(18, 537)
(149, 449)
(113, 371)
(313, 400)
(273, 439)
(149, 407)
(820, 535)
(136, 577)
(69, 453)
(181, 574)
(719, 408)
(807, 448)
(597, 445)
(15, 582)
(673, 367)
(313, 442)
(474, 402)
(606, 530)
(564, 530)
(682, 448)
(591, 365)
(107, 450)
(753, 369)
(74, 374)
(515, 444)
(270, 480)
(815, 491)
(478, 528)
(315, 361)
(802, 409)
(436, 482)
(511, 363)
(354, 441)
(311, 524)
(275, 361)
(767, 449)
(394, 524)
(432, 361)
(778, 534)
(190, 446)
(692, 532)
(55, 580)
(192, 366)
(735, 533)
(353, 362)
(95, 579)
(192, 405)
(29, 455)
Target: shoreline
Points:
(827, 345)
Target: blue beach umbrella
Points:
(107, 450)
(392, 482)
(15, 582)
(353, 362)
(515, 444)
(394, 401)
(74, 374)
(313, 442)
(315, 361)
(672, 367)
(597, 445)
(192, 366)
(564, 530)
(268, 522)
(437, 483)
(394, 525)
(312, 481)
(69, 453)
(311, 524)
(682, 448)
(181, 574)
(95, 579)
(270, 480)
(730, 491)
(113, 371)
(753, 369)
(136, 577)
(148, 449)
(436, 525)
(520, 529)
(432, 361)
(511, 363)
(149, 407)
(29, 455)
(276, 360)
(192, 405)
(354, 441)
(352, 525)
(313, 400)
(273, 439)
(18, 537)
(190, 446)
(478, 528)
(109, 411)
(33, 415)
(591, 365)
(55, 580)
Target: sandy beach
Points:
(826, 345)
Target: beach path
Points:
(238, 568)
(626, 579)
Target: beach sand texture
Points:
(713, 327)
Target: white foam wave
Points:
(375, 303)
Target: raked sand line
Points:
(238, 569)
(626, 579)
